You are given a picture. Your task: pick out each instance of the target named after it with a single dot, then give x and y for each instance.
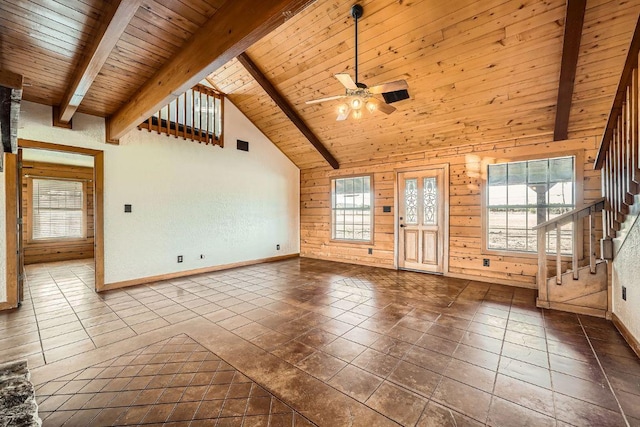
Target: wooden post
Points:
(574, 255)
(177, 101)
(184, 119)
(558, 254)
(11, 212)
(592, 240)
(543, 293)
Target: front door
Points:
(421, 220)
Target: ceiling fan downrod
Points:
(356, 13)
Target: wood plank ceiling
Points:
(478, 71)
(45, 40)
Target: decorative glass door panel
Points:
(420, 220)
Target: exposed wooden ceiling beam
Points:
(10, 96)
(116, 17)
(286, 108)
(570, 51)
(230, 31)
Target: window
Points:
(351, 209)
(58, 209)
(521, 195)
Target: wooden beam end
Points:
(11, 80)
(560, 134)
(109, 139)
(56, 119)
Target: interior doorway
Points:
(57, 204)
(422, 219)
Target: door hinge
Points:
(19, 221)
(20, 277)
(19, 165)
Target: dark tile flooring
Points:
(336, 344)
(175, 382)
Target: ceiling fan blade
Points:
(389, 87)
(385, 108)
(343, 116)
(346, 80)
(329, 98)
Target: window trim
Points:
(371, 210)
(29, 229)
(578, 155)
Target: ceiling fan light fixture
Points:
(358, 96)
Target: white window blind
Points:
(57, 209)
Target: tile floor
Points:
(336, 344)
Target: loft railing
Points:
(195, 115)
(556, 224)
(619, 154)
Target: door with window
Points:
(421, 220)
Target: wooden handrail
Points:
(616, 109)
(570, 216)
(195, 115)
(588, 210)
(618, 157)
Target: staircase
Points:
(581, 288)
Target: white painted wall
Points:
(626, 272)
(188, 199)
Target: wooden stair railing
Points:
(619, 153)
(195, 115)
(555, 224)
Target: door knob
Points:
(401, 225)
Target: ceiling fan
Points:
(358, 95)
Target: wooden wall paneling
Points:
(466, 174)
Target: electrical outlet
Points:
(370, 251)
(277, 247)
(179, 258)
(624, 293)
(486, 262)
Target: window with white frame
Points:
(351, 209)
(57, 209)
(521, 195)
